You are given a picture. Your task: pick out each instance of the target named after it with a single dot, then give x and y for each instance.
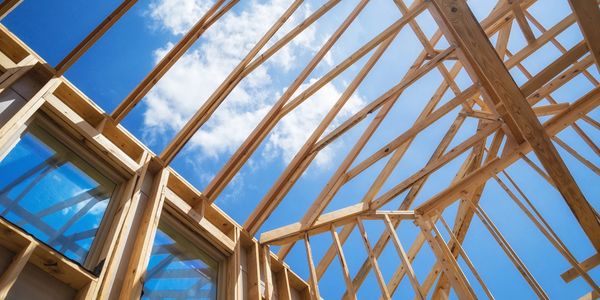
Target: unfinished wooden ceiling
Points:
(513, 120)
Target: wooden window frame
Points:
(59, 131)
(198, 238)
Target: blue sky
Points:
(112, 68)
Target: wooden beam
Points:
(588, 18)
(593, 295)
(235, 163)
(461, 27)
(266, 206)
(520, 17)
(174, 54)
(543, 226)
(253, 261)
(583, 105)
(9, 277)
(448, 262)
(234, 269)
(344, 265)
(292, 232)
(142, 247)
(268, 273)
(93, 37)
(551, 109)
(588, 264)
(302, 159)
(405, 261)
(7, 6)
(373, 259)
(466, 258)
(283, 285)
(26, 112)
(554, 68)
(557, 123)
(15, 73)
(213, 102)
(510, 253)
(313, 280)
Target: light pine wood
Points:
(456, 18)
(9, 276)
(520, 17)
(93, 37)
(588, 17)
(253, 261)
(534, 215)
(283, 285)
(313, 280)
(234, 282)
(268, 275)
(176, 52)
(535, 286)
(508, 127)
(447, 260)
(222, 91)
(588, 264)
(404, 258)
(373, 259)
(134, 280)
(467, 259)
(340, 254)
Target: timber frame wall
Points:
(509, 128)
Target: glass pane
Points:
(52, 193)
(178, 269)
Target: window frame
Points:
(198, 238)
(80, 148)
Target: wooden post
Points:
(234, 283)
(268, 273)
(142, 248)
(283, 285)
(253, 259)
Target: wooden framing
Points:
(93, 37)
(9, 276)
(508, 120)
(7, 6)
(314, 282)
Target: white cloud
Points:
(200, 71)
(177, 16)
(293, 130)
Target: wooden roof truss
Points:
(509, 127)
